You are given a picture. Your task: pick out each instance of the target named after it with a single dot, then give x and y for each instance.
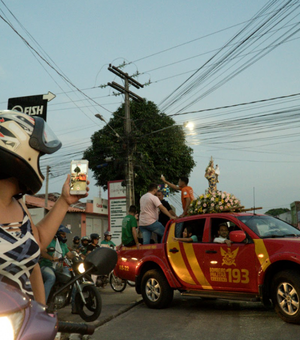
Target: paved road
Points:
(124, 316)
(189, 318)
(113, 304)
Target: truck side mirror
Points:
(237, 236)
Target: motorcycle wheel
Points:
(117, 284)
(92, 309)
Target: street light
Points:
(101, 118)
(189, 125)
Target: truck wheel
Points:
(286, 296)
(156, 291)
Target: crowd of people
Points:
(155, 213)
(26, 263)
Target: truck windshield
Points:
(269, 227)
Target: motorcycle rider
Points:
(76, 244)
(49, 262)
(94, 243)
(84, 244)
(107, 240)
(23, 140)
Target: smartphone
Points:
(79, 174)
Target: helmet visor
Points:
(43, 139)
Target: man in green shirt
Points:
(129, 225)
(47, 260)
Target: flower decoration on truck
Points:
(214, 201)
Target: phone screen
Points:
(79, 171)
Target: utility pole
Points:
(47, 186)
(129, 169)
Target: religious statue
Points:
(212, 175)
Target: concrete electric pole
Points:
(129, 170)
(47, 189)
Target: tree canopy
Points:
(158, 145)
(277, 211)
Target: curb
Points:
(123, 310)
(74, 336)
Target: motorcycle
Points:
(117, 284)
(87, 298)
(24, 319)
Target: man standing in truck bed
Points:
(187, 195)
(150, 204)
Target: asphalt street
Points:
(186, 318)
(113, 304)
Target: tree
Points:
(158, 146)
(276, 212)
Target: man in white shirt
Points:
(148, 220)
(223, 233)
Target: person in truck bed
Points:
(149, 214)
(129, 226)
(187, 194)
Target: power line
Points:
(225, 54)
(51, 66)
(235, 105)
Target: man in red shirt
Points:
(187, 195)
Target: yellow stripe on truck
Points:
(262, 253)
(194, 264)
(176, 259)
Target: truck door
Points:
(186, 259)
(230, 267)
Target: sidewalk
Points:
(113, 304)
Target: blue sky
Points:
(165, 41)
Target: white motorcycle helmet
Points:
(23, 139)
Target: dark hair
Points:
(152, 186)
(133, 209)
(184, 179)
(189, 230)
(223, 224)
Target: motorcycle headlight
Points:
(10, 325)
(81, 268)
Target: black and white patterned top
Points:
(19, 253)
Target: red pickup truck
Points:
(262, 263)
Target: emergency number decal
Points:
(229, 275)
(125, 268)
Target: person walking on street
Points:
(187, 195)
(148, 221)
(129, 228)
